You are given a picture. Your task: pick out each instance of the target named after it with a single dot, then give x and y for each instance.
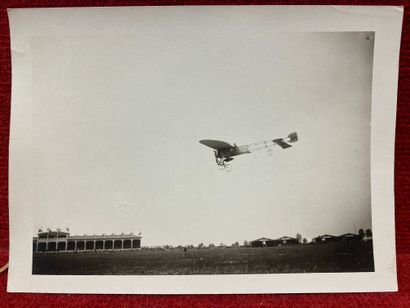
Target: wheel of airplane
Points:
(228, 168)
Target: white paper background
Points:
(27, 26)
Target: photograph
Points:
(197, 158)
(203, 150)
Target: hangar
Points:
(267, 242)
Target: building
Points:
(286, 240)
(262, 242)
(58, 241)
(267, 242)
(325, 238)
(349, 237)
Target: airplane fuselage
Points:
(235, 151)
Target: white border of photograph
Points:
(386, 22)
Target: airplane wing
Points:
(282, 143)
(215, 144)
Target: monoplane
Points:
(224, 152)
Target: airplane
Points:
(224, 151)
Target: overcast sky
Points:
(118, 119)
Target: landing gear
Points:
(222, 162)
(222, 165)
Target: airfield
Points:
(307, 258)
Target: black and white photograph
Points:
(226, 205)
(199, 142)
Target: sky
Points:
(117, 121)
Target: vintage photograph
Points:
(203, 149)
(181, 156)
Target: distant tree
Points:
(299, 237)
(368, 233)
(201, 245)
(304, 240)
(236, 244)
(211, 245)
(222, 245)
(245, 243)
(361, 233)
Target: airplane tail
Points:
(293, 137)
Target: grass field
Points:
(332, 257)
